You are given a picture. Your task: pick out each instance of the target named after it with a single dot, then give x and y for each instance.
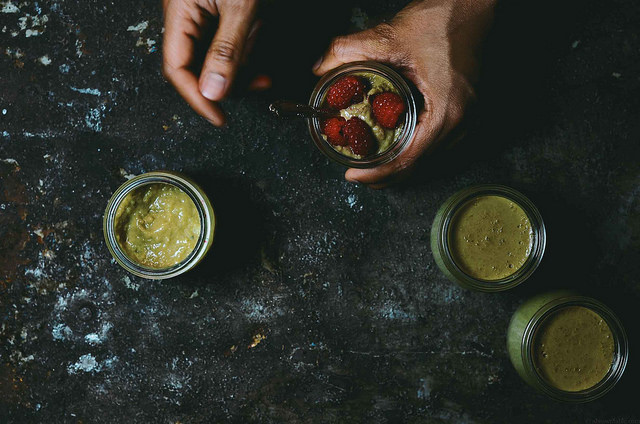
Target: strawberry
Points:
(387, 108)
(345, 92)
(332, 128)
(359, 136)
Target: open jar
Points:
(488, 238)
(572, 348)
(378, 77)
(159, 225)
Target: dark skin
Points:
(434, 43)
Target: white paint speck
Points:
(86, 363)
(98, 338)
(139, 27)
(9, 7)
(91, 91)
(93, 120)
(45, 60)
(64, 68)
(616, 75)
(575, 44)
(61, 332)
(130, 284)
(4, 111)
(352, 200)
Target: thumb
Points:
(225, 52)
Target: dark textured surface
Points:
(360, 325)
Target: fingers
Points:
(225, 52)
(187, 85)
(177, 54)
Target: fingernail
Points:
(353, 180)
(318, 63)
(213, 86)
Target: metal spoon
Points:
(286, 109)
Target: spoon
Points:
(287, 109)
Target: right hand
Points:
(186, 25)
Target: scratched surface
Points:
(320, 301)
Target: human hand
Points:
(188, 26)
(434, 44)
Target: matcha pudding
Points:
(573, 349)
(157, 225)
(488, 238)
(371, 114)
(570, 347)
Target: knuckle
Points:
(337, 46)
(224, 50)
(386, 33)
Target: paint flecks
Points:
(141, 41)
(93, 119)
(45, 60)
(130, 284)
(32, 25)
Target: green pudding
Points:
(385, 136)
(490, 237)
(157, 225)
(573, 349)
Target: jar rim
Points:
(453, 204)
(620, 340)
(402, 141)
(205, 213)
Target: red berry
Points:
(332, 128)
(387, 108)
(345, 92)
(359, 136)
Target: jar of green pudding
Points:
(390, 142)
(570, 347)
(159, 225)
(488, 238)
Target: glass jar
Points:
(202, 204)
(441, 246)
(531, 316)
(401, 140)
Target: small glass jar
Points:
(202, 204)
(440, 238)
(531, 316)
(401, 141)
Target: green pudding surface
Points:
(573, 349)
(157, 225)
(490, 237)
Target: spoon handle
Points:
(286, 109)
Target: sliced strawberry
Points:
(387, 108)
(345, 92)
(359, 136)
(332, 128)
